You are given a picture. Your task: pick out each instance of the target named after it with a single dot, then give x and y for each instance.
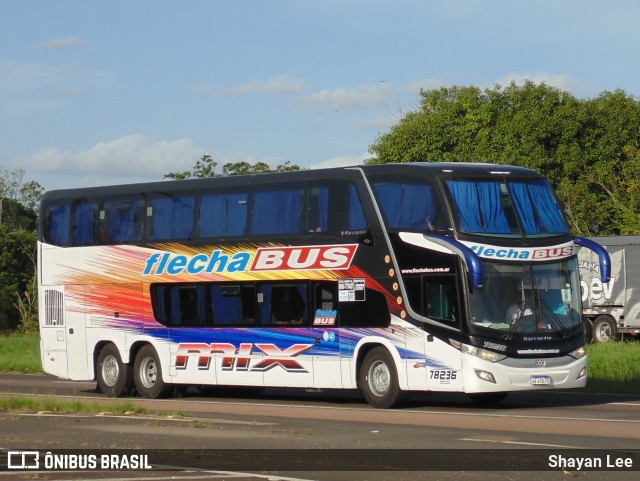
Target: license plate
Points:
(540, 380)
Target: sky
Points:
(99, 93)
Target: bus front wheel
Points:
(378, 379)
(147, 374)
(113, 376)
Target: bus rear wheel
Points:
(113, 376)
(378, 379)
(147, 374)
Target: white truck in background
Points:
(611, 310)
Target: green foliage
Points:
(17, 270)
(589, 149)
(206, 167)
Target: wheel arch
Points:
(365, 345)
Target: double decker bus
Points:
(384, 278)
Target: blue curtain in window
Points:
(59, 226)
(479, 207)
(277, 212)
(265, 307)
(407, 206)
(173, 218)
(226, 309)
(537, 208)
(183, 217)
(357, 220)
(467, 205)
(83, 234)
(524, 207)
(223, 215)
(124, 225)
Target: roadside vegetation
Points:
(614, 367)
(51, 405)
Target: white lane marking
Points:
(521, 443)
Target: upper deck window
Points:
(511, 208)
(173, 217)
(277, 212)
(407, 206)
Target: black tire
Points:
(487, 398)
(113, 376)
(147, 374)
(378, 380)
(604, 329)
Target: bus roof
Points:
(419, 169)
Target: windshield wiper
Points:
(549, 314)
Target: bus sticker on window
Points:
(325, 317)
(350, 290)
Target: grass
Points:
(614, 367)
(20, 353)
(46, 404)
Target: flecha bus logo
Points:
(329, 257)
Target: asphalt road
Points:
(293, 434)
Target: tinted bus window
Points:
(172, 217)
(223, 215)
(284, 304)
(407, 206)
(232, 305)
(56, 226)
(84, 223)
(122, 221)
(277, 212)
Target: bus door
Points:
(325, 321)
(441, 302)
(78, 363)
(287, 343)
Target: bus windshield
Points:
(511, 208)
(528, 298)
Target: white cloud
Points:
(283, 83)
(367, 96)
(62, 43)
(128, 157)
(342, 161)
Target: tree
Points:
(589, 149)
(18, 226)
(17, 269)
(27, 195)
(206, 167)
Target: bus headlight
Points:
(478, 352)
(578, 353)
(485, 376)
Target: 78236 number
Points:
(443, 374)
